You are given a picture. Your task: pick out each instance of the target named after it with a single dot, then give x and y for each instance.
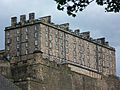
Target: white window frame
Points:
(26, 37)
(18, 31)
(46, 43)
(8, 56)
(26, 51)
(36, 48)
(8, 47)
(35, 27)
(8, 40)
(50, 43)
(36, 42)
(18, 46)
(26, 44)
(18, 38)
(18, 53)
(8, 33)
(36, 34)
(26, 29)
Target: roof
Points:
(6, 84)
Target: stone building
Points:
(48, 56)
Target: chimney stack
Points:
(77, 31)
(107, 43)
(101, 40)
(85, 35)
(65, 26)
(22, 19)
(46, 19)
(13, 21)
(31, 16)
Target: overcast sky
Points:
(93, 19)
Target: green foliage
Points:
(73, 6)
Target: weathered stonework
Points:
(43, 74)
(4, 65)
(58, 43)
(46, 56)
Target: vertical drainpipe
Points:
(97, 67)
(39, 34)
(48, 42)
(65, 48)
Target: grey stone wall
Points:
(42, 74)
(5, 68)
(58, 43)
(61, 47)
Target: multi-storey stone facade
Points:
(58, 43)
(44, 54)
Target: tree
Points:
(73, 6)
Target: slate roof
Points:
(5, 84)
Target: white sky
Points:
(93, 19)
